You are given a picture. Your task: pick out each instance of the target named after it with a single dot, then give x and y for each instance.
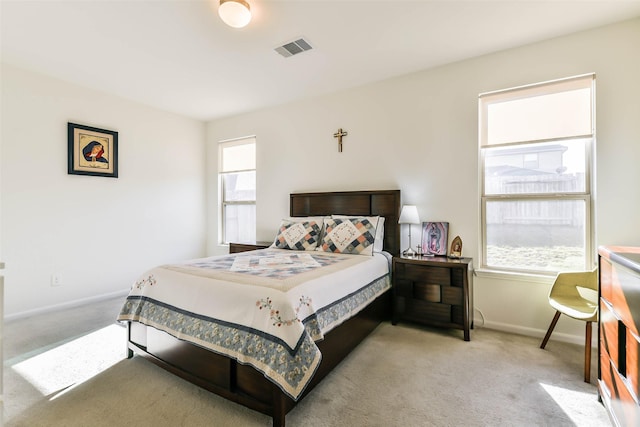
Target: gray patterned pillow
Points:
(348, 236)
(297, 236)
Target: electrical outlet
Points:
(55, 280)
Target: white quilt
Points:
(264, 308)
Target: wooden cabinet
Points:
(244, 247)
(618, 326)
(434, 291)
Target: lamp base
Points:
(409, 252)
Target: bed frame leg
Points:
(279, 407)
(129, 351)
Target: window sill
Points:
(515, 276)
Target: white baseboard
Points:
(538, 333)
(65, 305)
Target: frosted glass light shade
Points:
(409, 215)
(235, 13)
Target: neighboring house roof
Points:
(506, 170)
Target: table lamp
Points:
(409, 215)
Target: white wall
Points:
(418, 133)
(98, 234)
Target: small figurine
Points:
(456, 248)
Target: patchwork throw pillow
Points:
(348, 236)
(297, 236)
(377, 221)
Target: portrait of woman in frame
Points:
(92, 151)
(435, 238)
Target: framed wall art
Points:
(435, 238)
(92, 151)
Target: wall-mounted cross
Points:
(339, 135)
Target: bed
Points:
(253, 380)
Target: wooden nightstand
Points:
(434, 291)
(244, 247)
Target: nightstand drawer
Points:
(420, 311)
(418, 273)
(426, 292)
(403, 287)
(440, 314)
(452, 295)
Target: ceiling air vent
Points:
(293, 48)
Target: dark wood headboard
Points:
(384, 203)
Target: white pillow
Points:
(378, 221)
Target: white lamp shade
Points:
(235, 13)
(409, 215)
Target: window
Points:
(237, 179)
(536, 145)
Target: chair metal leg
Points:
(587, 354)
(551, 326)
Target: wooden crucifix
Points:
(339, 135)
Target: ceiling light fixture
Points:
(235, 13)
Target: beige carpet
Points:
(400, 376)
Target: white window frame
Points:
(556, 86)
(223, 202)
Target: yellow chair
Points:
(576, 295)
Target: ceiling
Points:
(177, 55)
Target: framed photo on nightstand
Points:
(435, 238)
